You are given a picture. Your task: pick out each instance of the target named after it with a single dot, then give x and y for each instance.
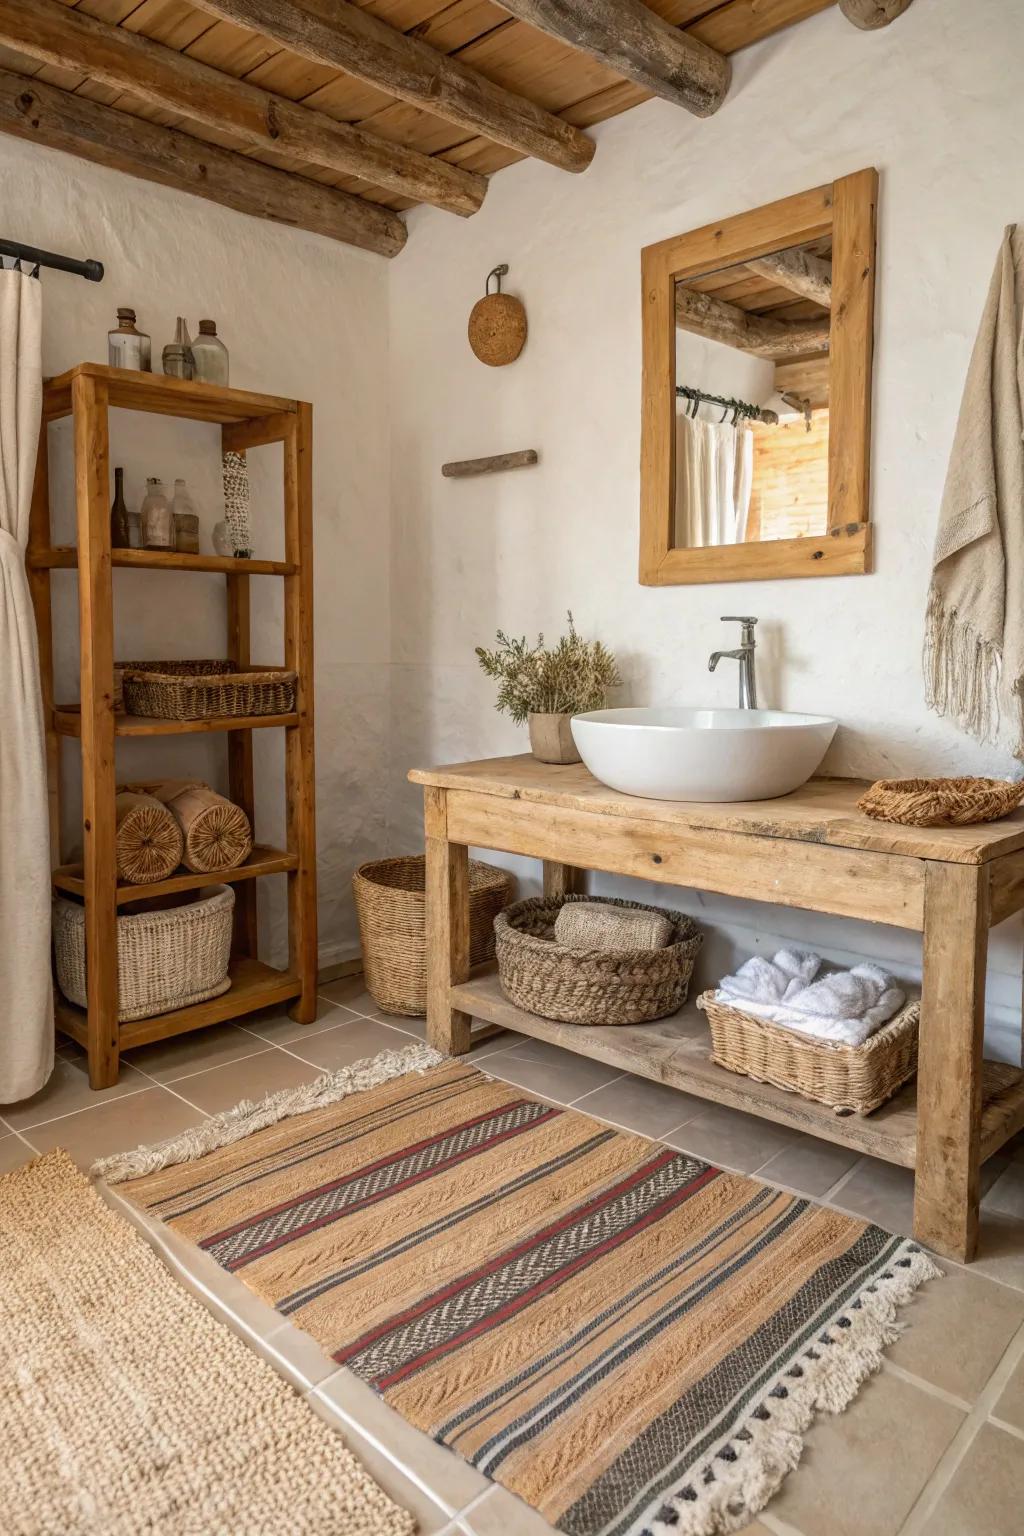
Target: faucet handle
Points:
(736, 618)
(746, 624)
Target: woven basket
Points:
(149, 843)
(391, 906)
(850, 1079)
(591, 986)
(204, 690)
(940, 802)
(166, 959)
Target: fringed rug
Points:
(625, 1337)
(125, 1407)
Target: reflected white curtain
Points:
(714, 478)
(26, 1008)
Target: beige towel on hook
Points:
(974, 639)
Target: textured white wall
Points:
(301, 316)
(934, 102)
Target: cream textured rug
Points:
(126, 1408)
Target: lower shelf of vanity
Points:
(676, 1051)
(253, 985)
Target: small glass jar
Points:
(127, 347)
(210, 355)
(177, 355)
(157, 518)
(186, 521)
(134, 531)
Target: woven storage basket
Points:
(591, 986)
(940, 802)
(391, 906)
(149, 843)
(165, 959)
(204, 690)
(850, 1079)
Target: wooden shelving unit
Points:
(247, 420)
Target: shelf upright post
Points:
(299, 761)
(39, 579)
(245, 939)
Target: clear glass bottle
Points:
(177, 355)
(157, 518)
(127, 347)
(210, 355)
(120, 537)
(186, 520)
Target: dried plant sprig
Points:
(572, 677)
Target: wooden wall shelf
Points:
(87, 393)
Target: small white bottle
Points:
(209, 355)
(157, 518)
(127, 347)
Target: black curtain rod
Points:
(737, 407)
(92, 271)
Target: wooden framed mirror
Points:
(756, 414)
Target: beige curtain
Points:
(26, 1008)
(714, 479)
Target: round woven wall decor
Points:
(497, 325)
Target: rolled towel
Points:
(595, 925)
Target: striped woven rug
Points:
(625, 1337)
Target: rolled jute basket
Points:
(591, 986)
(148, 843)
(390, 897)
(216, 833)
(940, 802)
(167, 958)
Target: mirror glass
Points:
(751, 400)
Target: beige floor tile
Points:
(351, 992)
(862, 1470)
(275, 1027)
(986, 1494)
(1001, 1249)
(431, 1517)
(117, 1125)
(339, 1047)
(502, 1514)
(1010, 1407)
(68, 1090)
(167, 1060)
(418, 1026)
(13, 1152)
(957, 1330)
(882, 1193)
(809, 1165)
(251, 1078)
(451, 1481)
(548, 1070)
(1007, 1193)
(729, 1138)
(639, 1105)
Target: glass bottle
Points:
(177, 355)
(120, 537)
(210, 355)
(127, 347)
(186, 520)
(157, 518)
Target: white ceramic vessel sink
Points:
(702, 754)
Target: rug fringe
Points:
(245, 1118)
(748, 1466)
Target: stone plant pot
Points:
(551, 739)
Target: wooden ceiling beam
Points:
(717, 320)
(62, 120)
(341, 35)
(869, 15)
(635, 42)
(163, 77)
(800, 271)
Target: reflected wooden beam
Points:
(799, 271)
(869, 15)
(635, 42)
(716, 320)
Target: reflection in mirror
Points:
(751, 408)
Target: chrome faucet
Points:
(744, 654)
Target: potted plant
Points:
(547, 686)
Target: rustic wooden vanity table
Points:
(812, 849)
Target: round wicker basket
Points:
(391, 907)
(167, 958)
(591, 986)
(148, 843)
(497, 329)
(940, 802)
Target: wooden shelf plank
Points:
(130, 390)
(262, 861)
(253, 985)
(676, 1051)
(65, 557)
(68, 722)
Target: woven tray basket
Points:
(165, 959)
(940, 802)
(591, 986)
(850, 1079)
(204, 690)
(392, 910)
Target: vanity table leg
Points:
(947, 1181)
(563, 879)
(448, 1029)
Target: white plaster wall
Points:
(935, 103)
(302, 316)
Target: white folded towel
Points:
(844, 1006)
